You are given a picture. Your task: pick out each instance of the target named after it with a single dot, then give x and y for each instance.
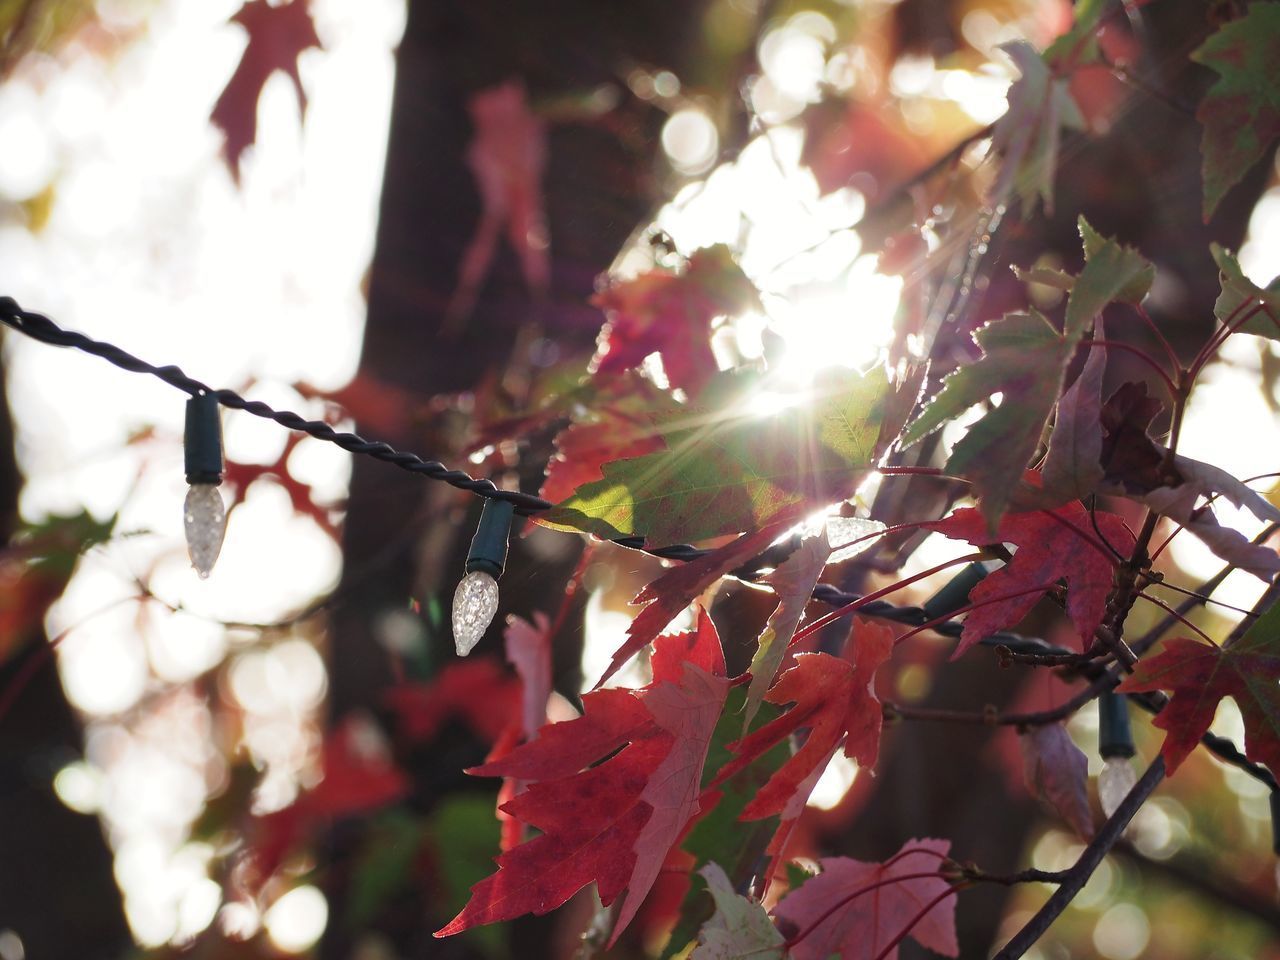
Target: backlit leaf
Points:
(1027, 137)
(670, 313)
(837, 920)
(1199, 676)
(1238, 295)
(1073, 465)
(1139, 468)
(793, 582)
(1241, 111)
(611, 792)
(1052, 545)
(728, 472)
(1112, 272)
(278, 35)
(1025, 360)
(739, 928)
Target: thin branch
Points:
(1158, 581)
(1265, 603)
(993, 718)
(1148, 639)
(1079, 873)
(1010, 879)
(1169, 352)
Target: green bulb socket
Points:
(1275, 821)
(1115, 736)
(202, 440)
(488, 551)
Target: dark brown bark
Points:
(415, 533)
(57, 891)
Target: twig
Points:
(1010, 879)
(1079, 873)
(993, 718)
(1005, 657)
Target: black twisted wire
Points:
(39, 327)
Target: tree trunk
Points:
(413, 534)
(57, 891)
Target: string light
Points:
(1115, 745)
(207, 523)
(204, 515)
(476, 599)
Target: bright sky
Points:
(152, 246)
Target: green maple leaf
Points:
(1079, 45)
(1112, 272)
(1241, 111)
(1237, 290)
(740, 927)
(1025, 360)
(725, 472)
(1026, 138)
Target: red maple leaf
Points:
(670, 314)
(528, 648)
(358, 777)
(1199, 675)
(478, 691)
(611, 791)
(1052, 545)
(833, 699)
(277, 37)
(680, 586)
(240, 476)
(855, 910)
(625, 423)
(507, 157)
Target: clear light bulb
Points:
(1114, 783)
(474, 604)
(205, 520)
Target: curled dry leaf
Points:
(1057, 772)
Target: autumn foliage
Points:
(807, 561)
